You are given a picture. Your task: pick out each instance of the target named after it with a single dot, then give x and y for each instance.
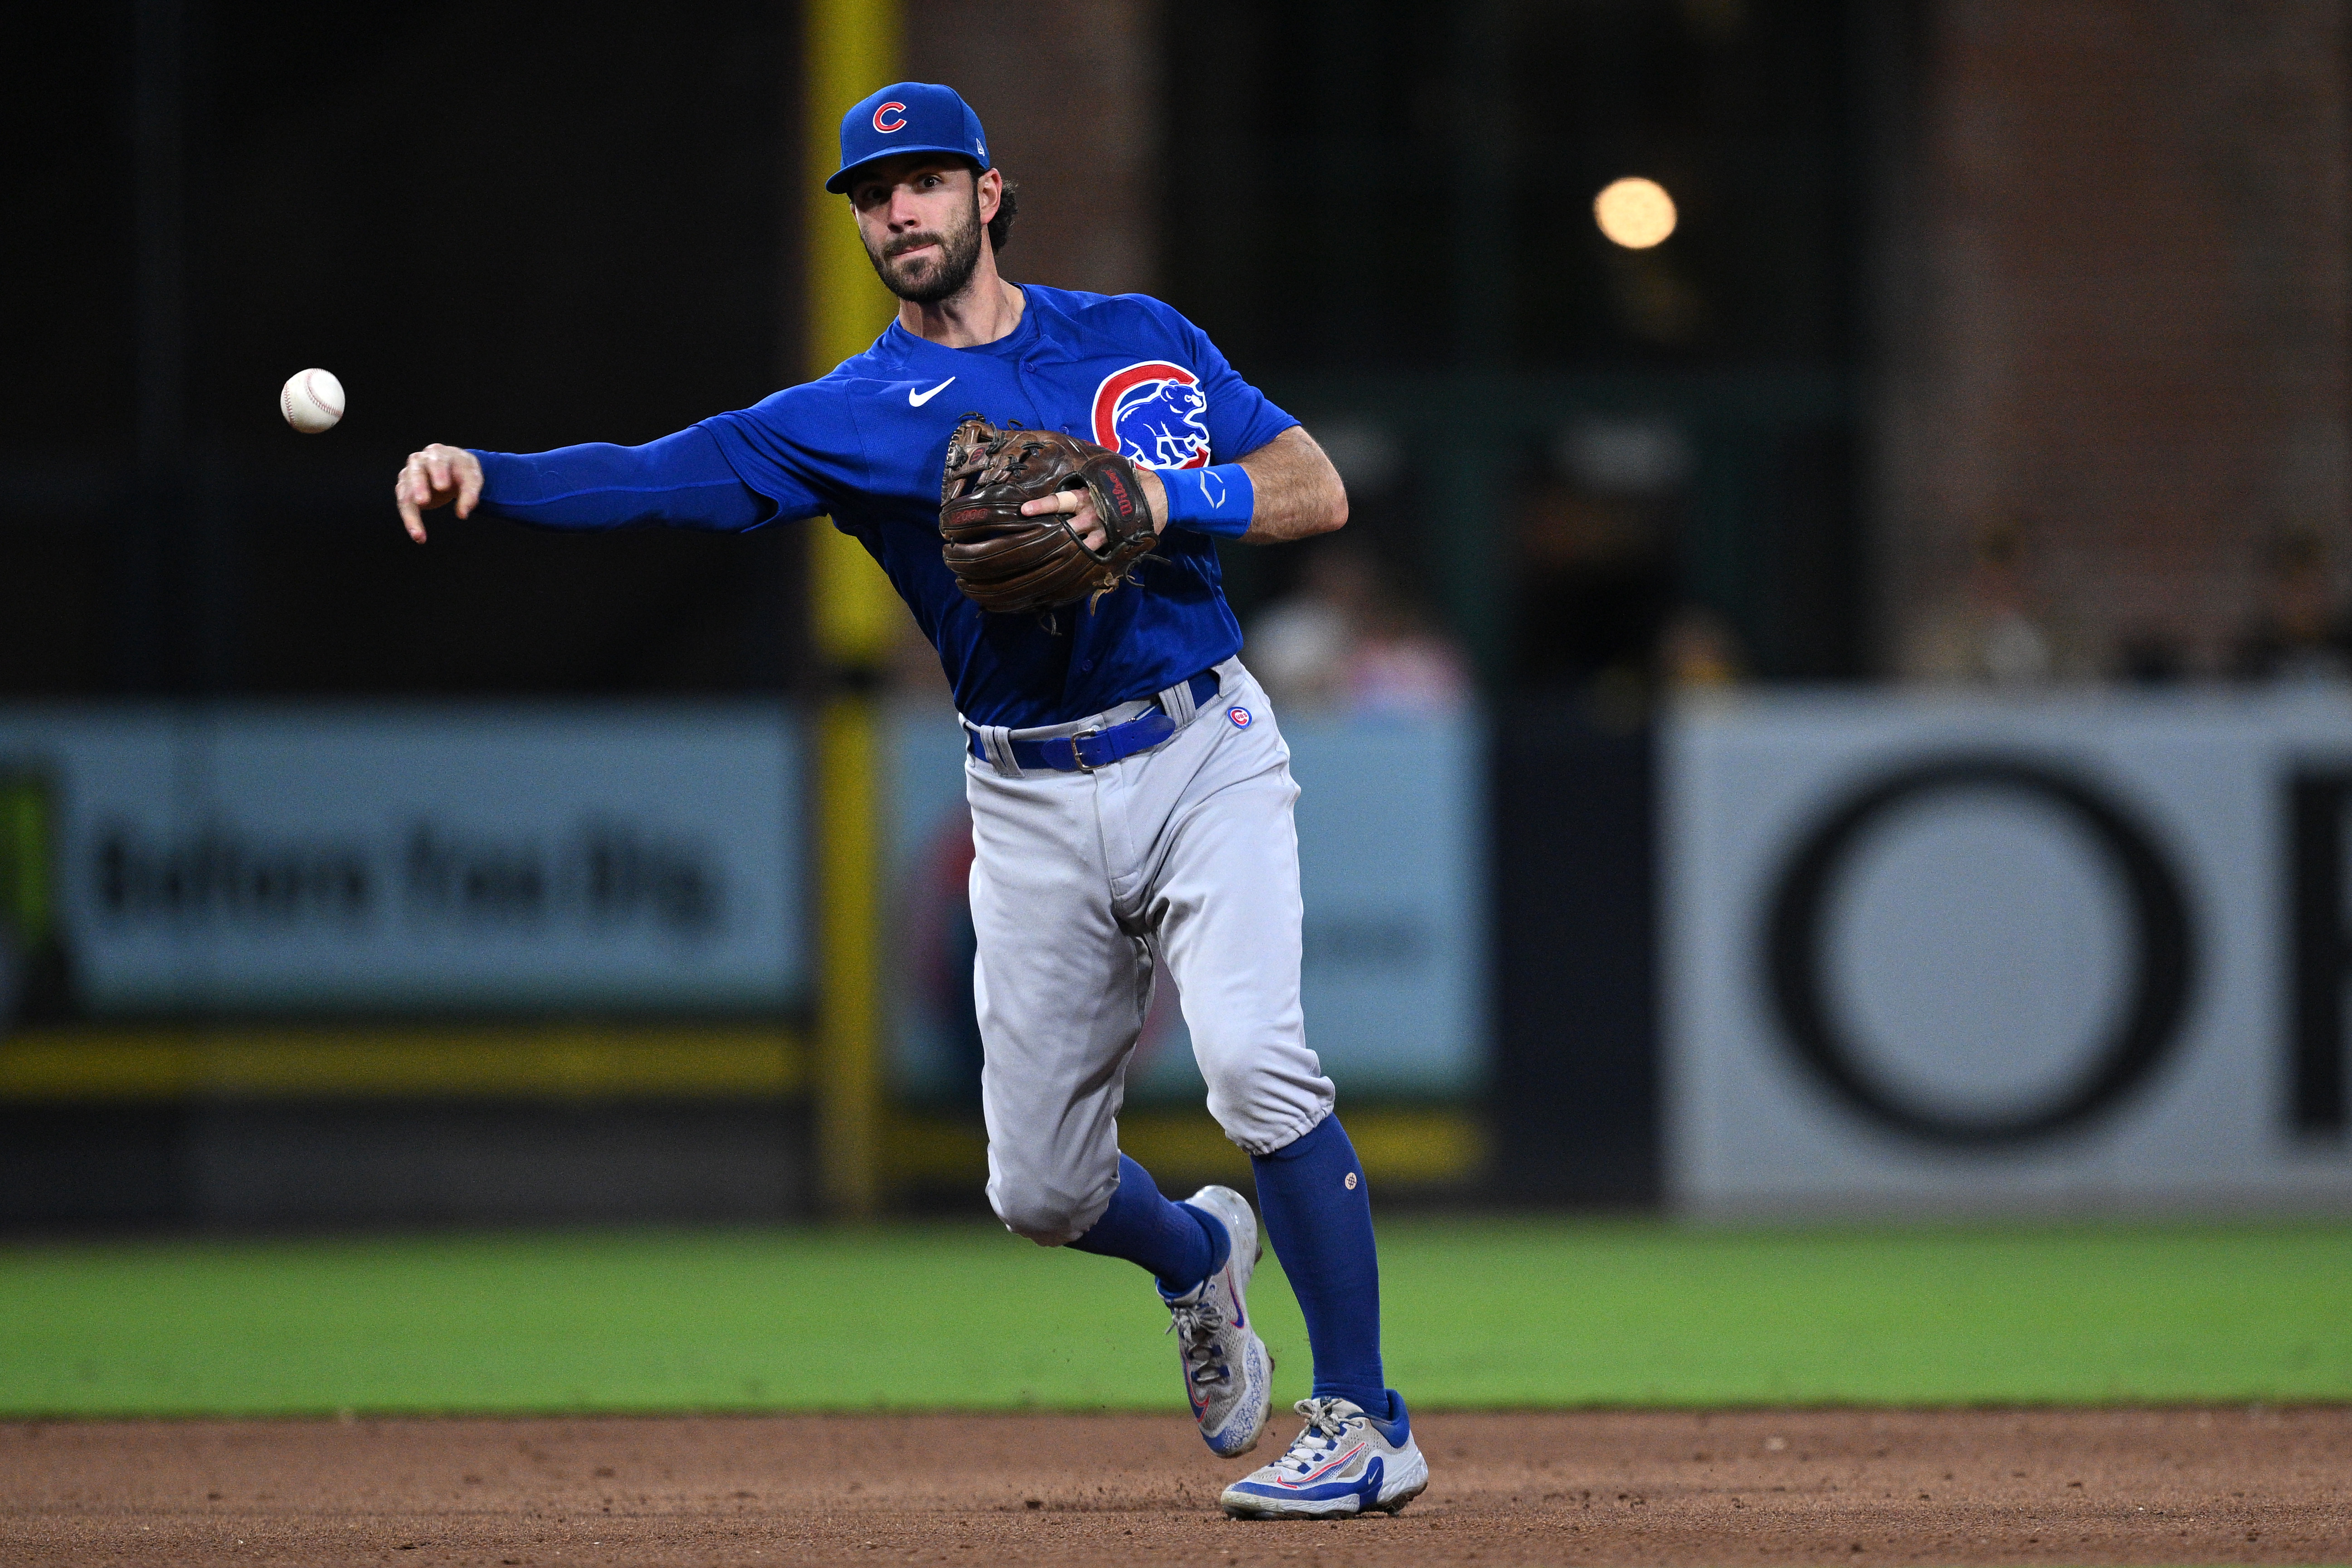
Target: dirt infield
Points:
(1846, 1487)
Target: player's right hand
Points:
(433, 477)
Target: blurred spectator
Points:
(1991, 632)
(1596, 586)
(1401, 666)
(1698, 651)
(1595, 555)
(1347, 642)
(2303, 634)
(2150, 656)
(1299, 647)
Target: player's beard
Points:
(940, 277)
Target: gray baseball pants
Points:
(1079, 881)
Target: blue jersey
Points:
(866, 444)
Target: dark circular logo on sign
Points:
(2148, 1023)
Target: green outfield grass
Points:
(1480, 1312)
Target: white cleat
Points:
(1228, 1373)
(1342, 1462)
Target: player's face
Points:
(921, 225)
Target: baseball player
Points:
(1130, 791)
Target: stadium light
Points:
(1634, 213)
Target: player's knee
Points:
(1236, 1098)
(1244, 1081)
(1263, 1098)
(1036, 1210)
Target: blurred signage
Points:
(401, 860)
(1392, 857)
(2082, 951)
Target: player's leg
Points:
(1179, 1242)
(1230, 924)
(1228, 1372)
(1226, 903)
(1318, 1215)
(1060, 990)
(1062, 986)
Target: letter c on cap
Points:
(895, 122)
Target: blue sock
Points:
(1318, 1215)
(1176, 1241)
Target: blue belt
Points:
(1091, 749)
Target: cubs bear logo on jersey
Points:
(1154, 413)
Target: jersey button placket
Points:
(1026, 374)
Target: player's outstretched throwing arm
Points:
(682, 480)
(1285, 489)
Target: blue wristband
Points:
(1216, 500)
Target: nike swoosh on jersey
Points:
(917, 399)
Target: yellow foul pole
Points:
(850, 47)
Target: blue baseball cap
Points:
(908, 117)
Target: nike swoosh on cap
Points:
(917, 399)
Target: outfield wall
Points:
(350, 863)
(405, 860)
(305, 964)
(1793, 953)
(401, 963)
(2082, 953)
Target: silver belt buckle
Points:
(1077, 761)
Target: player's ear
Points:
(990, 192)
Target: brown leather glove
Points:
(1014, 565)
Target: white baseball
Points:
(312, 401)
